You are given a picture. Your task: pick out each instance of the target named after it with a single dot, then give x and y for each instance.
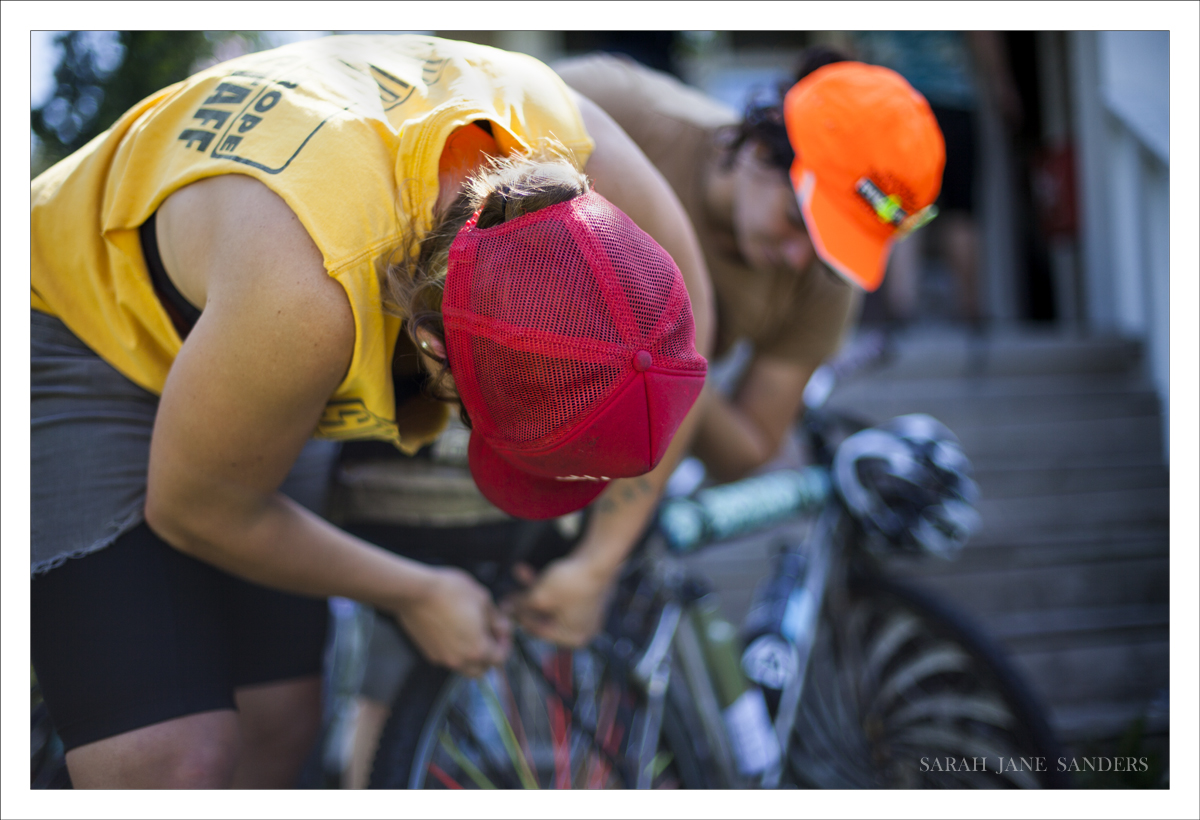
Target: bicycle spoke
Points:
(936, 661)
(451, 748)
(891, 690)
(482, 747)
(950, 707)
(518, 725)
(838, 754)
(560, 664)
(509, 739)
(445, 779)
(550, 718)
(888, 641)
(606, 728)
(569, 704)
(559, 742)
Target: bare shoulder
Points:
(235, 249)
(626, 178)
(622, 173)
(221, 226)
(232, 237)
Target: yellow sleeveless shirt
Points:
(347, 130)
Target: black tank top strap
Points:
(182, 312)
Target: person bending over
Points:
(796, 205)
(239, 264)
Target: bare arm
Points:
(741, 434)
(566, 603)
(243, 397)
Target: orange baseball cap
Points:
(869, 160)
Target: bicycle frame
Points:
(675, 639)
(816, 608)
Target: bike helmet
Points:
(908, 483)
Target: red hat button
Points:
(642, 360)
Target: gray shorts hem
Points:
(90, 433)
(122, 525)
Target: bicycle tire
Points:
(443, 731)
(905, 692)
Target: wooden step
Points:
(1140, 581)
(1070, 571)
(958, 402)
(1013, 482)
(989, 552)
(1014, 517)
(933, 388)
(1049, 629)
(1078, 444)
(1003, 353)
(1057, 561)
(1119, 671)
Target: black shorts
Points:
(138, 633)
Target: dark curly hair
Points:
(762, 123)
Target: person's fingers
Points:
(527, 613)
(540, 630)
(493, 653)
(502, 628)
(507, 606)
(524, 574)
(500, 623)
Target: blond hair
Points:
(503, 189)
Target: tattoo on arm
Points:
(630, 491)
(604, 505)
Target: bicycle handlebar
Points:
(722, 512)
(728, 510)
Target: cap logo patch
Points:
(887, 208)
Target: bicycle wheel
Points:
(903, 692)
(550, 718)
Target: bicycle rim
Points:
(550, 718)
(904, 693)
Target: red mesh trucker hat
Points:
(869, 159)
(569, 333)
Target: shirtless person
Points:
(787, 277)
(238, 264)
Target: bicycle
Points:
(871, 684)
(645, 704)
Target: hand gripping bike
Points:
(840, 677)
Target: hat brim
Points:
(523, 494)
(856, 254)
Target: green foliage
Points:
(101, 75)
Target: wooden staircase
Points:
(1070, 570)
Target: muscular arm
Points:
(739, 435)
(245, 394)
(624, 176)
